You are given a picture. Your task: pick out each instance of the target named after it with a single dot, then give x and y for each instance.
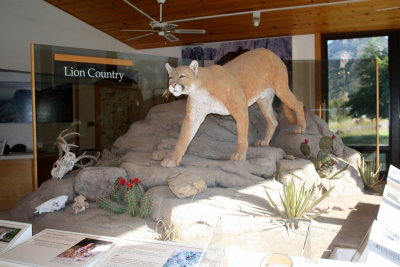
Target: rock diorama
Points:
(203, 184)
(206, 185)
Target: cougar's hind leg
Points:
(292, 103)
(265, 105)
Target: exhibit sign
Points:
(13, 234)
(152, 253)
(54, 248)
(384, 246)
(76, 66)
(393, 178)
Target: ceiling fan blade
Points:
(140, 36)
(140, 11)
(170, 37)
(127, 30)
(190, 31)
(168, 27)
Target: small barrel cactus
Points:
(132, 203)
(326, 142)
(305, 148)
(145, 206)
(138, 190)
(110, 205)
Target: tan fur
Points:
(251, 77)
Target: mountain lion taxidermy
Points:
(254, 76)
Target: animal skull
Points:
(80, 204)
(67, 160)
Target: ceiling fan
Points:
(159, 27)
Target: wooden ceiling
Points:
(112, 16)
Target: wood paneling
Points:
(111, 16)
(16, 181)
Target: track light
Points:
(256, 18)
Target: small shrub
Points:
(171, 231)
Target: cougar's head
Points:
(182, 80)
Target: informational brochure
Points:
(54, 248)
(13, 233)
(384, 246)
(389, 210)
(393, 178)
(137, 253)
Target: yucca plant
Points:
(297, 203)
(370, 175)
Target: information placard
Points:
(384, 246)
(137, 253)
(13, 233)
(55, 248)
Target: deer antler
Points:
(84, 156)
(63, 146)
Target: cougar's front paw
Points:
(170, 163)
(238, 156)
(300, 129)
(261, 142)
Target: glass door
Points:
(358, 94)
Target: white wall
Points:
(303, 69)
(303, 47)
(34, 21)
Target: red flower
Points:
(128, 184)
(333, 137)
(306, 141)
(136, 181)
(122, 181)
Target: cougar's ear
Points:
(194, 66)
(169, 68)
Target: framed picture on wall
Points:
(3, 143)
(15, 97)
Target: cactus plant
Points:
(110, 205)
(132, 203)
(323, 163)
(305, 148)
(138, 190)
(118, 192)
(127, 195)
(145, 206)
(326, 142)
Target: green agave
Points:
(297, 203)
(371, 175)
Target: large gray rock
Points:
(96, 182)
(223, 173)
(348, 182)
(301, 170)
(25, 208)
(184, 186)
(316, 128)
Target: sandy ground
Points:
(344, 225)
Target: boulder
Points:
(94, 182)
(301, 170)
(184, 186)
(25, 208)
